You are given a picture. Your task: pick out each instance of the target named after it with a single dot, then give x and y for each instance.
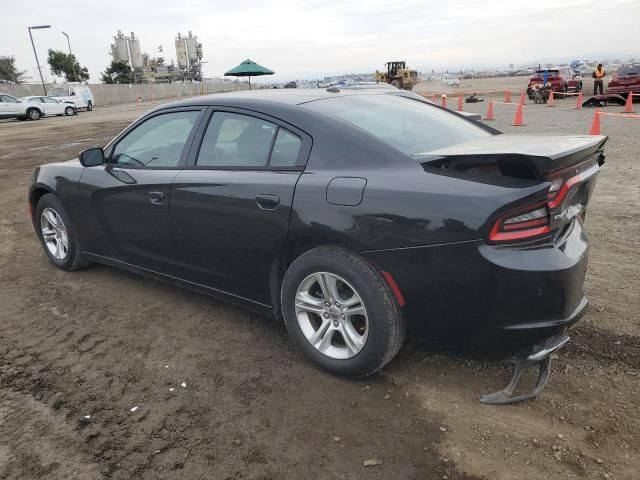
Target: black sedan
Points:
(353, 215)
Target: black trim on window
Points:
(303, 155)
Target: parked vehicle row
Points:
(34, 108)
(625, 80)
(61, 100)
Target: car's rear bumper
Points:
(488, 294)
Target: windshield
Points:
(408, 125)
(58, 92)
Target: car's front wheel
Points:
(56, 235)
(89, 106)
(340, 311)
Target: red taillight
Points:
(557, 195)
(521, 224)
(533, 220)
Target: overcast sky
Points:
(304, 38)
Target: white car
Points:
(451, 81)
(52, 106)
(11, 107)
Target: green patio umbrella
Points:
(248, 68)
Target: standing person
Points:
(598, 79)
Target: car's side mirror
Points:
(92, 157)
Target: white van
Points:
(79, 94)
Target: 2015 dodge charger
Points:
(351, 214)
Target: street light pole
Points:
(73, 64)
(37, 27)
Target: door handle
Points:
(156, 197)
(267, 202)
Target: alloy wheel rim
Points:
(54, 233)
(33, 114)
(332, 315)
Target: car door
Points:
(9, 106)
(52, 107)
(230, 207)
(127, 200)
(4, 108)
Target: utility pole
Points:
(73, 60)
(37, 27)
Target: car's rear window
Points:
(629, 70)
(408, 125)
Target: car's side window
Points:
(8, 99)
(235, 140)
(157, 142)
(286, 149)
(48, 100)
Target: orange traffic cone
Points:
(460, 107)
(628, 106)
(444, 101)
(522, 101)
(489, 115)
(507, 96)
(551, 102)
(595, 125)
(579, 101)
(518, 120)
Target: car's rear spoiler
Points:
(541, 154)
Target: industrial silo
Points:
(134, 50)
(120, 50)
(181, 52)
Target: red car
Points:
(562, 79)
(625, 80)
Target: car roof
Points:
(289, 96)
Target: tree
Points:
(118, 72)
(65, 65)
(8, 71)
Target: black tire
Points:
(386, 325)
(397, 83)
(33, 114)
(69, 111)
(73, 259)
(89, 106)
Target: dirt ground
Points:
(79, 351)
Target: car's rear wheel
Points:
(56, 235)
(69, 111)
(340, 311)
(89, 106)
(33, 114)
